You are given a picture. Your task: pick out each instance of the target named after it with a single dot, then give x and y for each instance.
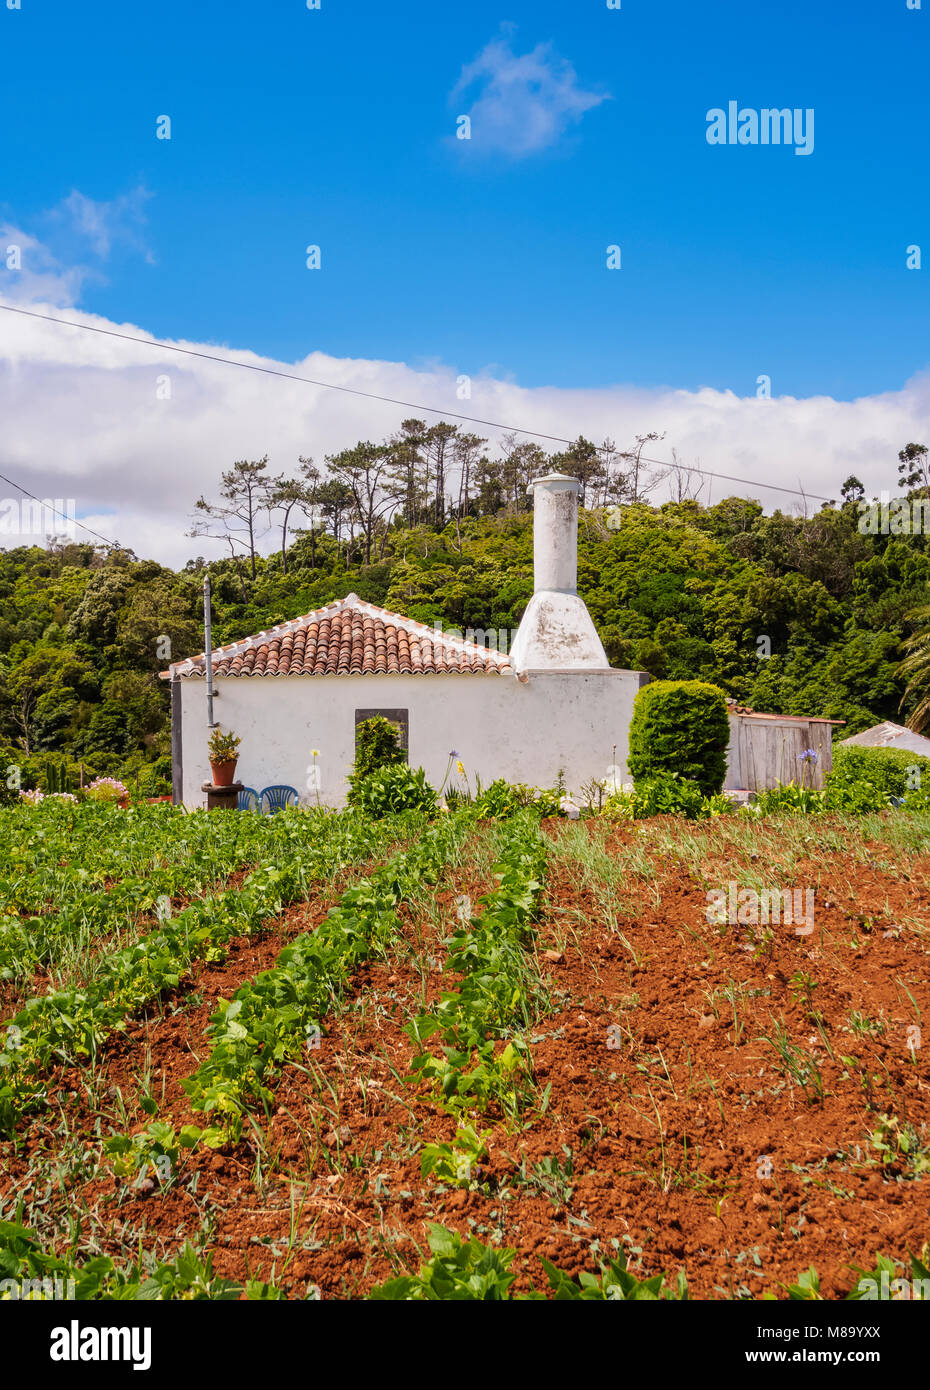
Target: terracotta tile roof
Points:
(349, 637)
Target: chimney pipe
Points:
(555, 533)
(556, 632)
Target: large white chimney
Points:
(556, 633)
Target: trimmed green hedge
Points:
(680, 727)
(884, 770)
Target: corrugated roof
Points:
(348, 637)
(746, 711)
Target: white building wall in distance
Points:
(523, 730)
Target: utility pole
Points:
(208, 649)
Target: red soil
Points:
(688, 1143)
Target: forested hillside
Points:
(679, 590)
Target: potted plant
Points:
(224, 749)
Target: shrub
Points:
(804, 801)
(865, 779)
(665, 795)
(106, 789)
(377, 746)
(55, 776)
(680, 727)
(919, 798)
(391, 789)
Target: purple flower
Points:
(809, 755)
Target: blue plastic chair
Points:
(249, 799)
(275, 798)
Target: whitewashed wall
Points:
(499, 726)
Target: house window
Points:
(400, 718)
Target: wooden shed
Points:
(766, 749)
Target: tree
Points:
(466, 451)
(914, 468)
(311, 503)
(687, 483)
(852, 490)
(438, 444)
(285, 494)
(641, 481)
(584, 461)
(96, 617)
(361, 469)
(244, 493)
(522, 462)
(46, 676)
(407, 473)
(915, 668)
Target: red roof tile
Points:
(348, 637)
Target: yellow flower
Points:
(314, 752)
(459, 768)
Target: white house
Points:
(552, 705)
(890, 735)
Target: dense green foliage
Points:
(44, 1275)
(665, 794)
(392, 789)
(891, 771)
(376, 745)
(497, 994)
(680, 590)
(297, 848)
(680, 727)
(469, 1271)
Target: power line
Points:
(71, 520)
(386, 400)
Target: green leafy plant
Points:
(614, 1284)
(187, 1277)
(866, 779)
(493, 998)
(460, 1270)
(268, 1020)
(791, 797)
(154, 1153)
(466, 1270)
(391, 789)
(900, 1147)
(457, 1163)
(664, 794)
(680, 727)
(886, 1271)
(376, 745)
(223, 748)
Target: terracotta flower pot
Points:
(223, 773)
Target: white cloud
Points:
(102, 224)
(83, 419)
(79, 236)
(522, 103)
(30, 272)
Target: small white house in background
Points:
(553, 704)
(889, 735)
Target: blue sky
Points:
(336, 127)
